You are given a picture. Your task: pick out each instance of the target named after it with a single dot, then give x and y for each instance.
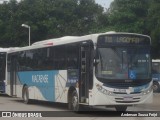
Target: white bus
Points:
(3, 53)
(105, 69)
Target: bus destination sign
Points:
(123, 39)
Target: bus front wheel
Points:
(74, 104)
(25, 95)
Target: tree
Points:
(128, 15)
(48, 19)
(153, 23)
(8, 31)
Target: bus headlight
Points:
(102, 90)
(147, 91)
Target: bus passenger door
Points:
(13, 70)
(84, 73)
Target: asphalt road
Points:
(60, 110)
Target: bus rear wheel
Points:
(25, 95)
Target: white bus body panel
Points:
(97, 97)
(61, 91)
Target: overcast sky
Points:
(104, 3)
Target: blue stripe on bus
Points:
(140, 88)
(43, 80)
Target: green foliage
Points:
(57, 18)
(128, 15)
(154, 26)
(137, 16)
(47, 18)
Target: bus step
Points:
(84, 100)
(83, 103)
(14, 96)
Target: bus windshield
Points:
(123, 63)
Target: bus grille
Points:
(122, 100)
(127, 101)
(126, 93)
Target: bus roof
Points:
(69, 39)
(8, 49)
(4, 49)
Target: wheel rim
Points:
(74, 102)
(25, 96)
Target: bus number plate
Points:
(128, 98)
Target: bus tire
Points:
(156, 87)
(121, 108)
(25, 95)
(74, 101)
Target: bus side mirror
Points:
(96, 61)
(96, 58)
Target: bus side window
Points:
(72, 56)
(49, 59)
(21, 61)
(60, 58)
